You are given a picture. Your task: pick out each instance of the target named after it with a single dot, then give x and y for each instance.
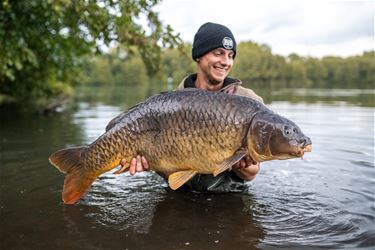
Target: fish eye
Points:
(289, 131)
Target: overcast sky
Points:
(315, 27)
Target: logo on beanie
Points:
(227, 43)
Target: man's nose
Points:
(226, 60)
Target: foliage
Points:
(254, 64)
(130, 70)
(112, 69)
(44, 43)
(177, 63)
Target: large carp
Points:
(183, 133)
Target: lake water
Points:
(326, 200)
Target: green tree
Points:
(315, 72)
(366, 70)
(255, 65)
(177, 64)
(296, 76)
(44, 43)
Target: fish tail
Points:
(78, 179)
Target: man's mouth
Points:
(220, 70)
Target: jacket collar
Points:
(189, 82)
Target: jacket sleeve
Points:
(248, 93)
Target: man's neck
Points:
(203, 83)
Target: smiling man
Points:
(214, 50)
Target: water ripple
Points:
(306, 219)
(120, 201)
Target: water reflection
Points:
(154, 217)
(358, 97)
(325, 200)
(29, 186)
(201, 221)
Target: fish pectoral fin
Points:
(178, 179)
(228, 163)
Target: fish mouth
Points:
(301, 151)
(307, 148)
(294, 152)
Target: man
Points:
(214, 50)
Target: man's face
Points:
(216, 65)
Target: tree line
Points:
(255, 65)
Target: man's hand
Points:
(137, 164)
(246, 168)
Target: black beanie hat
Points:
(212, 36)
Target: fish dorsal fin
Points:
(114, 121)
(178, 179)
(189, 89)
(228, 163)
(119, 117)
